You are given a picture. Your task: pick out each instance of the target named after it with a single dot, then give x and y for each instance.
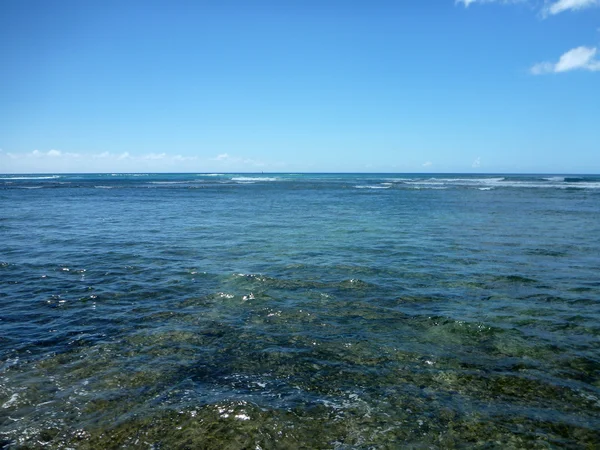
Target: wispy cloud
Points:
(184, 158)
(50, 153)
(470, 2)
(580, 58)
(550, 8)
(57, 161)
(226, 158)
(568, 5)
(477, 163)
(427, 164)
(154, 156)
(465, 2)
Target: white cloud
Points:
(477, 163)
(580, 58)
(60, 161)
(470, 2)
(185, 158)
(228, 159)
(541, 68)
(427, 164)
(51, 153)
(566, 5)
(551, 8)
(154, 156)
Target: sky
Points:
(482, 86)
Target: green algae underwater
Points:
(299, 311)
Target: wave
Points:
(128, 174)
(569, 179)
(373, 187)
(429, 187)
(372, 181)
(51, 177)
(170, 182)
(457, 181)
(254, 179)
(560, 182)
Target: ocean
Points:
(317, 311)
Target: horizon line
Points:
(296, 172)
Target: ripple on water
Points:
(304, 313)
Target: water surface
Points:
(299, 311)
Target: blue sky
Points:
(290, 86)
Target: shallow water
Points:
(299, 311)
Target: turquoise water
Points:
(299, 311)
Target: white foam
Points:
(399, 180)
(497, 182)
(10, 362)
(129, 174)
(31, 178)
(588, 185)
(550, 185)
(254, 179)
(456, 181)
(439, 188)
(169, 182)
(371, 187)
(11, 401)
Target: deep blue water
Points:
(299, 311)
